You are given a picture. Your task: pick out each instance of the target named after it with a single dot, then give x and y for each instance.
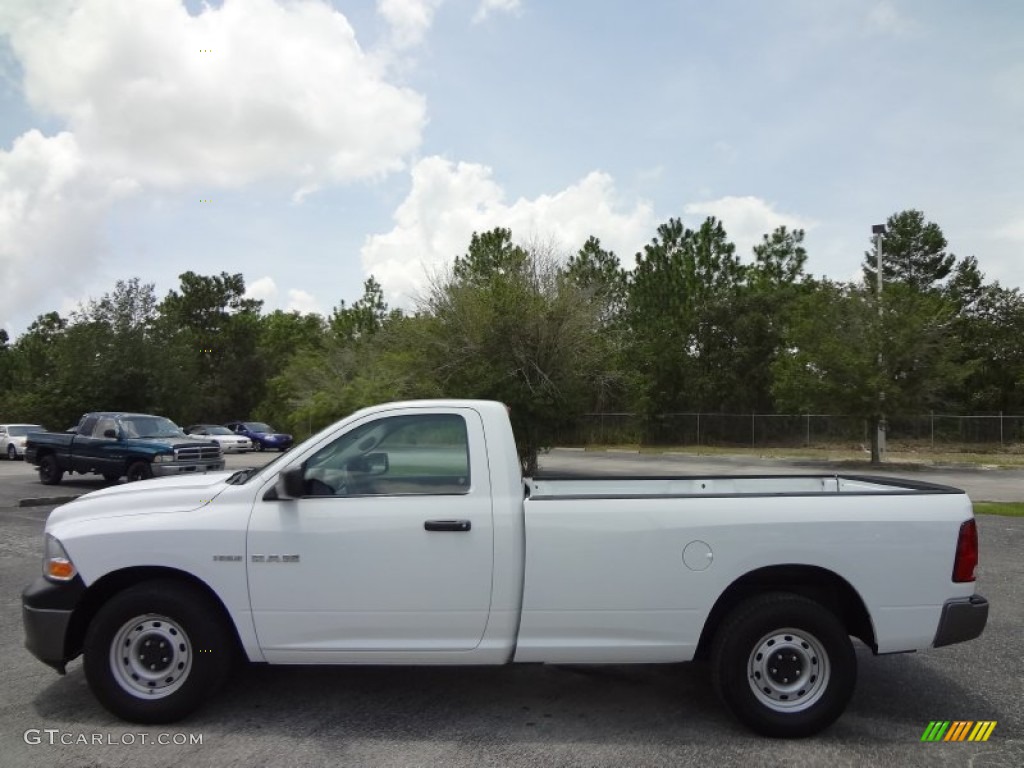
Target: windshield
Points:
(242, 476)
(150, 426)
(258, 426)
(218, 431)
(20, 430)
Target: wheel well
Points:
(818, 584)
(108, 586)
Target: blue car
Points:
(262, 435)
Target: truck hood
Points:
(165, 494)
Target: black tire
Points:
(12, 453)
(50, 472)
(257, 446)
(814, 671)
(140, 470)
(111, 477)
(156, 651)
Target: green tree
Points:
(210, 333)
(366, 354)
(989, 327)
(756, 315)
(507, 324)
(365, 317)
(913, 252)
(113, 353)
(598, 272)
(841, 355)
(680, 318)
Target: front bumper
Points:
(962, 619)
(170, 469)
(46, 611)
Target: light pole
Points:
(878, 232)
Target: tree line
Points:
(691, 326)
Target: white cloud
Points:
(448, 202)
(247, 91)
(264, 289)
(409, 19)
(51, 207)
(302, 301)
(746, 220)
(488, 7)
(156, 99)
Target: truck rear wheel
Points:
(784, 665)
(140, 470)
(50, 472)
(155, 652)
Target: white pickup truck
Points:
(405, 534)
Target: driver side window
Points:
(102, 425)
(399, 455)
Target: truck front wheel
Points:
(140, 470)
(156, 651)
(784, 665)
(50, 472)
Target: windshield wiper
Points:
(241, 476)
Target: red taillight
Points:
(966, 552)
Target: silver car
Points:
(12, 439)
(229, 441)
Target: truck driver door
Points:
(390, 548)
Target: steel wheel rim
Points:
(788, 670)
(151, 656)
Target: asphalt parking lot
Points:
(529, 715)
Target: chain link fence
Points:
(928, 431)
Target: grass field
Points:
(1006, 509)
(1001, 459)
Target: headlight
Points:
(57, 566)
(163, 458)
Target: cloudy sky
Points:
(310, 143)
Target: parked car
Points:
(229, 441)
(406, 534)
(12, 438)
(263, 436)
(135, 445)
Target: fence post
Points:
(807, 441)
(698, 428)
(752, 432)
(1000, 429)
(932, 418)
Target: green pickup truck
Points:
(133, 445)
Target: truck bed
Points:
(578, 486)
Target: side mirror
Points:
(290, 484)
(110, 433)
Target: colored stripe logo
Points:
(959, 730)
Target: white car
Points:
(12, 438)
(229, 441)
